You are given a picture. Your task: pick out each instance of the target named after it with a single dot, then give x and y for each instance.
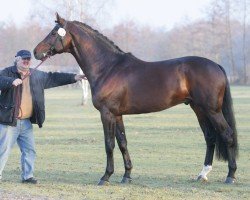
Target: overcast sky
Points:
(162, 13)
(159, 12)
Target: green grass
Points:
(167, 151)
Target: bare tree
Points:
(244, 40)
(228, 23)
(223, 36)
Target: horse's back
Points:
(141, 87)
(189, 72)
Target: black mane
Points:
(100, 36)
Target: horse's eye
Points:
(53, 33)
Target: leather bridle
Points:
(53, 46)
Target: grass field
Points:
(167, 150)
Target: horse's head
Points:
(57, 41)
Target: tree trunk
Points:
(244, 41)
(230, 43)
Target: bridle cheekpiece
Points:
(61, 32)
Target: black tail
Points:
(227, 110)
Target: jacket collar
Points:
(15, 70)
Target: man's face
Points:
(24, 63)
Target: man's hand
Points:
(79, 77)
(17, 82)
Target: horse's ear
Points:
(60, 20)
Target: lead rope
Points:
(18, 91)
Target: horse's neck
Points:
(93, 61)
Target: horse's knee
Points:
(110, 147)
(221, 126)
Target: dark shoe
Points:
(30, 180)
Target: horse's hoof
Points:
(202, 178)
(126, 180)
(230, 180)
(102, 182)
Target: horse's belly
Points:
(153, 102)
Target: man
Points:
(21, 104)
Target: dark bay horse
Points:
(123, 84)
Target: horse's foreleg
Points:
(122, 143)
(109, 126)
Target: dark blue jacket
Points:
(39, 81)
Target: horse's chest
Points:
(108, 99)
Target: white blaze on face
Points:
(61, 32)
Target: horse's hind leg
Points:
(122, 143)
(226, 148)
(209, 134)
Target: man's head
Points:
(22, 60)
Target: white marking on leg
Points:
(205, 171)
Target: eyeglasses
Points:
(26, 59)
